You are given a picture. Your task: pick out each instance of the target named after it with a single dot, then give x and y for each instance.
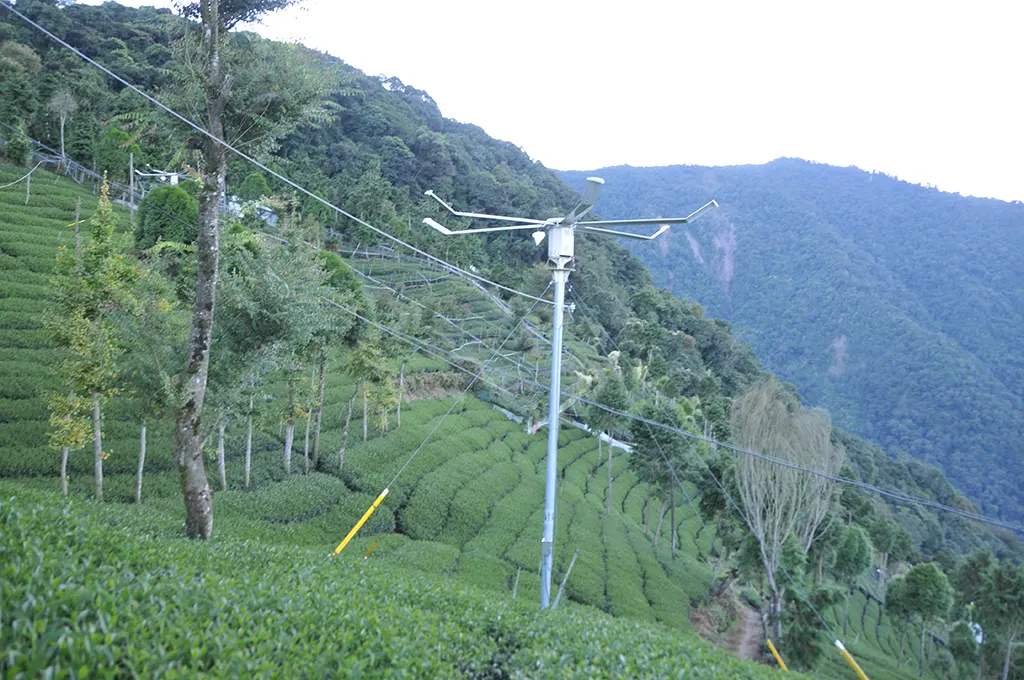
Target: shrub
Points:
(167, 213)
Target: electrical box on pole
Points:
(560, 234)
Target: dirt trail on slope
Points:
(745, 639)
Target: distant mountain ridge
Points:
(896, 306)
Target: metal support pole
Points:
(560, 274)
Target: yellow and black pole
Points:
(775, 653)
(850, 660)
(360, 523)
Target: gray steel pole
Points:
(559, 276)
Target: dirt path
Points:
(745, 640)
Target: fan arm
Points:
(624, 234)
(480, 216)
(655, 220)
(488, 230)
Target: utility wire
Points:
(258, 164)
(463, 395)
(441, 355)
(23, 178)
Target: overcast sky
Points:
(929, 91)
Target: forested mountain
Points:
(898, 307)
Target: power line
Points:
(439, 353)
(463, 395)
(258, 164)
(22, 178)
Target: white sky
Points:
(932, 92)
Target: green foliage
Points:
(254, 187)
(112, 153)
(895, 329)
(854, 554)
(18, 148)
(79, 574)
(926, 591)
(805, 640)
(167, 213)
(962, 644)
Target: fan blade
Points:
(448, 232)
(654, 220)
(623, 234)
(480, 216)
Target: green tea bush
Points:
(472, 504)
(429, 507)
(626, 596)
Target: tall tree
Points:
(780, 501)
(227, 96)
(660, 456)
(898, 606)
(91, 283)
(153, 331)
(852, 559)
(611, 393)
(1001, 605)
(63, 104)
(928, 594)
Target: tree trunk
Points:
(608, 507)
(1009, 654)
(672, 516)
(289, 437)
(647, 508)
(188, 438)
(344, 432)
(903, 641)
(661, 518)
(220, 458)
(981, 665)
(248, 443)
(97, 445)
(309, 420)
(401, 393)
(821, 563)
(775, 613)
(64, 472)
(846, 612)
(920, 668)
(319, 412)
(364, 414)
(142, 463)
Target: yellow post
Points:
(372, 546)
(782, 664)
(850, 660)
(361, 522)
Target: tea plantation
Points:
(111, 589)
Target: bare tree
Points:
(780, 502)
(64, 104)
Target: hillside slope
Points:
(895, 306)
(468, 509)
